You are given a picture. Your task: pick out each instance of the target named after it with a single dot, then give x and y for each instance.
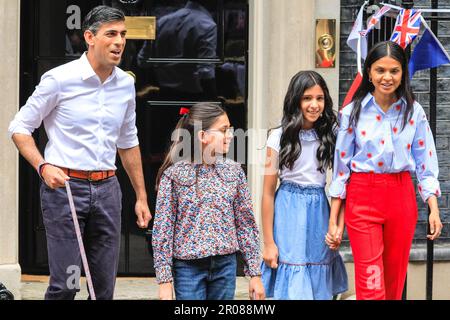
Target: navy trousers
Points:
(99, 207)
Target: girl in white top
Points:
(304, 171)
(297, 262)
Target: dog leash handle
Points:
(80, 242)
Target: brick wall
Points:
(421, 86)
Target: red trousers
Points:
(381, 217)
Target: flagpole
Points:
(359, 49)
(358, 54)
(433, 103)
(422, 10)
(406, 5)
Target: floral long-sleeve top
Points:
(204, 211)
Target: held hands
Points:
(166, 291)
(435, 225)
(334, 236)
(270, 255)
(143, 214)
(256, 289)
(54, 177)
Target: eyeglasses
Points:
(225, 131)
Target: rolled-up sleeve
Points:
(38, 106)
(207, 49)
(425, 156)
(246, 228)
(163, 231)
(345, 147)
(128, 137)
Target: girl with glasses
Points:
(204, 213)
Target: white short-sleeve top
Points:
(305, 167)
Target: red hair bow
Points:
(184, 111)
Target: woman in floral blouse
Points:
(384, 135)
(204, 213)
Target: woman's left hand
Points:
(256, 289)
(435, 225)
(334, 236)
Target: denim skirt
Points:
(307, 268)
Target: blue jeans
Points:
(211, 278)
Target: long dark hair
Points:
(200, 117)
(381, 50)
(292, 123)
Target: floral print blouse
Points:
(380, 145)
(204, 211)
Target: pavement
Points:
(34, 287)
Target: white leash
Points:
(80, 242)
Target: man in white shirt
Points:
(88, 109)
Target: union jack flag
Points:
(375, 19)
(407, 27)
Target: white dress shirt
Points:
(85, 120)
(305, 167)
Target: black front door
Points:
(176, 70)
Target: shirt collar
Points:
(88, 72)
(309, 135)
(196, 6)
(370, 99)
(367, 99)
(185, 172)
